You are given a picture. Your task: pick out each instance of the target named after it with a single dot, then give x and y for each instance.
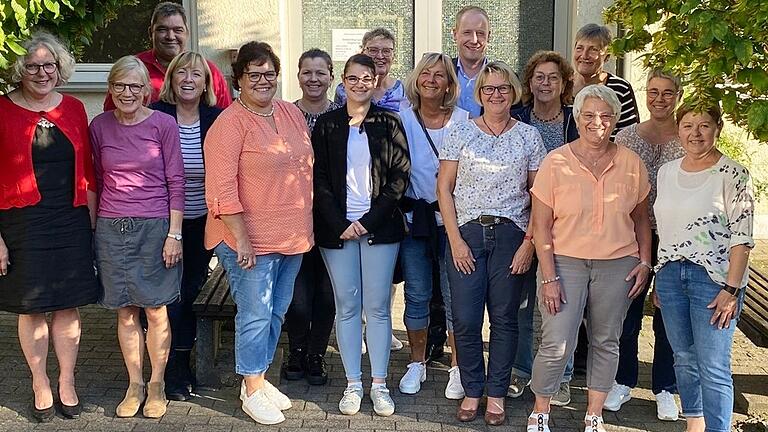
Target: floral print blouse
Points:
(701, 216)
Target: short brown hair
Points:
(183, 60)
(166, 9)
(257, 52)
(471, 8)
(565, 69)
(317, 53)
(713, 110)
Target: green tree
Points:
(74, 21)
(719, 47)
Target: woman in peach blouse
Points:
(258, 179)
(593, 240)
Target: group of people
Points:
(491, 193)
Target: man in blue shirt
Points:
(471, 34)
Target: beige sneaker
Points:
(261, 409)
(156, 403)
(281, 401)
(134, 397)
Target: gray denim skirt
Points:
(129, 260)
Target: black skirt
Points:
(49, 244)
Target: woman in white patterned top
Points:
(704, 213)
(656, 142)
(487, 165)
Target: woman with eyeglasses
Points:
(388, 92)
(258, 186)
(47, 208)
(140, 178)
(656, 142)
(361, 172)
(593, 242)
(487, 165)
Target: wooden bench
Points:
(754, 317)
(213, 306)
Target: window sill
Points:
(89, 78)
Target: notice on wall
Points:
(345, 43)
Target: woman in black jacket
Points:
(361, 172)
(187, 94)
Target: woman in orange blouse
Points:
(258, 180)
(593, 240)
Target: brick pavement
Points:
(101, 381)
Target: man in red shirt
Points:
(169, 34)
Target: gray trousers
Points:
(595, 290)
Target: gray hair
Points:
(595, 32)
(378, 32)
(659, 73)
(597, 91)
(64, 59)
(125, 65)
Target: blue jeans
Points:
(262, 296)
(491, 285)
(416, 263)
(361, 276)
(702, 351)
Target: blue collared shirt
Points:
(467, 90)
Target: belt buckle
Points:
(487, 220)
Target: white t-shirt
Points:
(359, 182)
(424, 162)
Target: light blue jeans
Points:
(702, 351)
(416, 263)
(262, 296)
(361, 275)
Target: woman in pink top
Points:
(593, 240)
(258, 185)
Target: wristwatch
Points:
(732, 290)
(175, 236)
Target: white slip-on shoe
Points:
(395, 344)
(454, 390)
(383, 404)
(261, 409)
(416, 374)
(281, 401)
(541, 422)
(593, 423)
(618, 396)
(666, 407)
(350, 402)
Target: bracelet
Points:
(549, 281)
(528, 238)
(647, 264)
(732, 290)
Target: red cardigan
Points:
(18, 186)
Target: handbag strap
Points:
(424, 128)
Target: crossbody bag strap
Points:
(424, 128)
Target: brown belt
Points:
(487, 220)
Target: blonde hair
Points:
(426, 62)
(185, 59)
(503, 69)
(65, 62)
(127, 64)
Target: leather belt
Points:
(489, 220)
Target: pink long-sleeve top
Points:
(139, 168)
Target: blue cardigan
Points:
(569, 122)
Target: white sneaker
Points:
(350, 402)
(541, 422)
(281, 401)
(454, 390)
(666, 407)
(260, 408)
(618, 396)
(395, 345)
(383, 404)
(593, 423)
(416, 374)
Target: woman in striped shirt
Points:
(187, 94)
(590, 52)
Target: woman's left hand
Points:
(171, 252)
(725, 309)
(640, 273)
(523, 258)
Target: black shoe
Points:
(293, 367)
(316, 373)
(434, 353)
(44, 415)
(176, 390)
(71, 412)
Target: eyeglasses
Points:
(353, 80)
(34, 68)
(374, 52)
(119, 87)
(666, 94)
(489, 89)
(604, 117)
(540, 79)
(255, 77)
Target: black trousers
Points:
(309, 319)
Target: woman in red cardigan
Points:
(46, 214)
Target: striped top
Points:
(629, 113)
(194, 171)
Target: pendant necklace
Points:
(247, 108)
(496, 135)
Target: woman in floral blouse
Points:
(704, 212)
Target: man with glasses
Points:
(169, 33)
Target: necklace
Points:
(252, 111)
(549, 120)
(324, 109)
(496, 135)
(443, 121)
